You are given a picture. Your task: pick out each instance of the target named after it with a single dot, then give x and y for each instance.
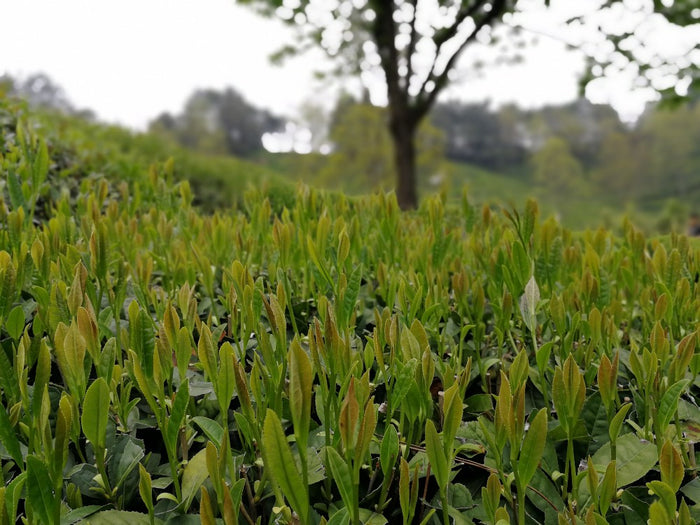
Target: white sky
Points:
(129, 60)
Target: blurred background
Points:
(515, 121)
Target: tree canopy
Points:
(416, 45)
(221, 122)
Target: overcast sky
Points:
(129, 60)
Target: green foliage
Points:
(339, 361)
(363, 157)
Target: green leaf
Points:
(671, 466)
(177, 415)
(280, 463)
(14, 188)
(607, 487)
(522, 266)
(635, 458)
(40, 492)
(617, 420)
(211, 429)
(352, 292)
(8, 437)
(142, 337)
(40, 167)
(300, 383)
(120, 517)
(666, 495)
(96, 413)
(15, 322)
(13, 493)
(341, 517)
(452, 418)
(532, 448)
(206, 354)
(389, 450)
(79, 514)
(669, 402)
(528, 304)
(193, 477)
(145, 487)
(436, 455)
(403, 383)
(226, 382)
(125, 455)
(341, 476)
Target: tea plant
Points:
(335, 360)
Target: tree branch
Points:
(411, 46)
(446, 34)
(384, 34)
(425, 99)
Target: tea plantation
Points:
(309, 358)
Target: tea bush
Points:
(328, 360)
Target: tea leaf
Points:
(145, 488)
(404, 381)
(617, 421)
(669, 402)
(206, 512)
(280, 463)
(436, 454)
(40, 493)
(684, 514)
(452, 419)
(226, 381)
(607, 487)
(404, 487)
(528, 304)
(635, 458)
(207, 355)
(9, 439)
(666, 495)
(341, 475)
(15, 322)
(192, 478)
(177, 414)
(300, 384)
(125, 456)
(366, 433)
(533, 447)
(96, 413)
(349, 416)
(671, 466)
(389, 450)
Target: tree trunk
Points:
(403, 134)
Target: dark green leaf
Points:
(40, 493)
(8, 437)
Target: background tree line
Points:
(573, 150)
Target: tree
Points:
(220, 122)
(477, 135)
(557, 169)
(362, 150)
(618, 173)
(583, 125)
(417, 44)
(671, 139)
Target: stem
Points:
(543, 380)
(521, 500)
(445, 507)
(101, 468)
(571, 467)
(356, 495)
